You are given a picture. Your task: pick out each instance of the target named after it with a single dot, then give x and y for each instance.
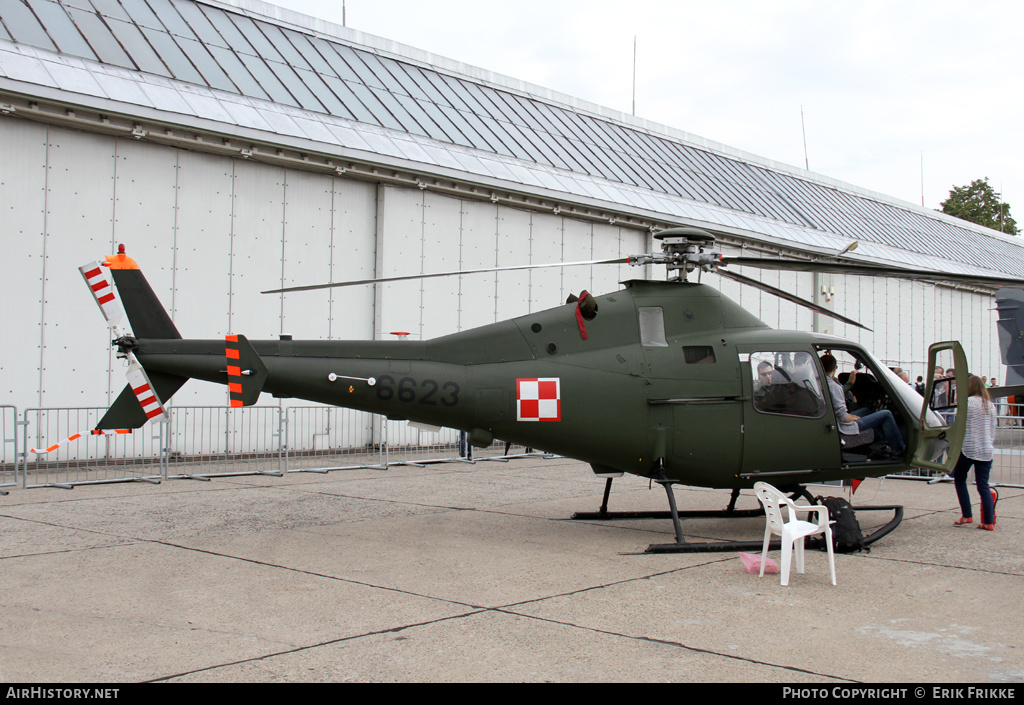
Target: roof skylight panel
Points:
(109, 8)
(231, 37)
(455, 135)
(398, 111)
(331, 56)
(510, 137)
(460, 120)
(173, 56)
(24, 26)
(381, 72)
(198, 23)
(284, 45)
(427, 125)
(309, 53)
(267, 79)
(237, 72)
(60, 29)
(433, 95)
(169, 16)
(200, 57)
(99, 37)
(355, 59)
(370, 101)
(256, 40)
(138, 48)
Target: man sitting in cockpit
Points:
(851, 424)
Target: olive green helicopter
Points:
(668, 380)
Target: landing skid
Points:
(681, 545)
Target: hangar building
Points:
(234, 146)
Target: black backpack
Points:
(846, 533)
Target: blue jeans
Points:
(982, 468)
(884, 421)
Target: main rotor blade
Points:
(622, 260)
(790, 297)
(871, 270)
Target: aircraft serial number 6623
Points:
(664, 380)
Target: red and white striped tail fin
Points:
(102, 290)
(144, 392)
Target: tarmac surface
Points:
(472, 573)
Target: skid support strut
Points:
(681, 545)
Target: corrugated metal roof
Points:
(195, 59)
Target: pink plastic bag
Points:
(752, 564)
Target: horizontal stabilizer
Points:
(247, 373)
(127, 411)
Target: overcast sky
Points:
(884, 86)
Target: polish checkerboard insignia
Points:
(539, 399)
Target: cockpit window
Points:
(787, 383)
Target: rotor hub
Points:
(682, 251)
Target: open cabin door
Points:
(943, 419)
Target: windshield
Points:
(909, 398)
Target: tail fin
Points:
(1010, 303)
(147, 316)
(143, 397)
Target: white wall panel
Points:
(606, 243)
(399, 253)
(478, 251)
(201, 303)
(513, 288)
(257, 242)
(546, 284)
(353, 256)
(145, 181)
(23, 154)
(308, 217)
(202, 246)
(577, 246)
(442, 233)
(79, 228)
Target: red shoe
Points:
(987, 527)
(963, 520)
(995, 498)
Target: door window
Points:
(787, 383)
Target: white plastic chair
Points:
(794, 531)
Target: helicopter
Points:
(660, 379)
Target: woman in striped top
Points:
(978, 448)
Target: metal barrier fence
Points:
(9, 453)
(322, 438)
(1007, 460)
(87, 458)
(206, 441)
(203, 442)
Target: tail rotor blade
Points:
(99, 283)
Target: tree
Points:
(979, 203)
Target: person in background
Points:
(919, 385)
(977, 451)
